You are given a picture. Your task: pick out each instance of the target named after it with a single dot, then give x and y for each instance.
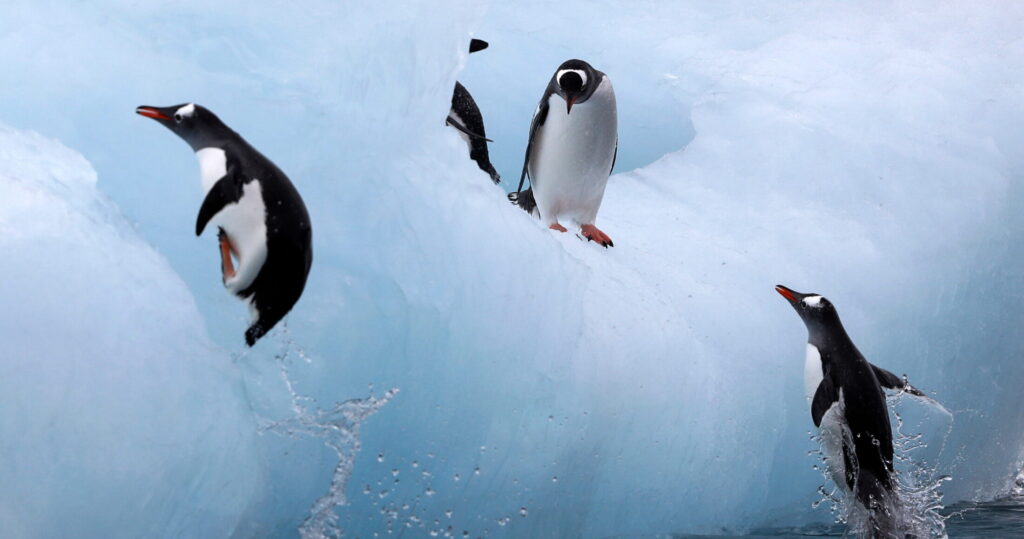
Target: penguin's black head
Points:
(576, 81)
(196, 125)
(815, 310)
(477, 45)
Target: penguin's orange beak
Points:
(151, 112)
(786, 293)
(569, 103)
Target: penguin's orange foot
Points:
(592, 233)
(227, 266)
(558, 227)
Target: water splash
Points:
(338, 427)
(916, 509)
(1017, 490)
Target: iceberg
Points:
(547, 387)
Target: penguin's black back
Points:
(281, 280)
(867, 416)
(465, 106)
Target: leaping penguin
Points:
(466, 118)
(848, 405)
(571, 150)
(261, 218)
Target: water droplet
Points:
(394, 472)
(383, 494)
(476, 471)
(434, 533)
(380, 457)
(554, 479)
(367, 489)
(522, 512)
(456, 477)
(448, 513)
(429, 491)
(415, 464)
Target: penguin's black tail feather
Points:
(277, 287)
(877, 497)
(524, 199)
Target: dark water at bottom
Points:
(1003, 519)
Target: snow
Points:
(868, 152)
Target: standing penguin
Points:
(848, 405)
(571, 150)
(261, 218)
(465, 116)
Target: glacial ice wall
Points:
(120, 417)
(549, 387)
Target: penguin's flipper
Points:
(538, 120)
(824, 398)
(477, 45)
(889, 380)
(455, 123)
(615, 156)
(227, 190)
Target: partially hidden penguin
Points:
(261, 219)
(847, 399)
(571, 150)
(465, 116)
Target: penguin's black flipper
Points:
(455, 123)
(615, 156)
(477, 45)
(824, 398)
(538, 120)
(889, 380)
(227, 190)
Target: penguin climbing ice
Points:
(571, 150)
(466, 118)
(260, 216)
(848, 405)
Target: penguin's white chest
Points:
(832, 429)
(465, 137)
(813, 371)
(245, 222)
(572, 156)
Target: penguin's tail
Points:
(880, 502)
(524, 199)
(495, 177)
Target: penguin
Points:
(261, 219)
(466, 118)
(571, 150)
(847, 399)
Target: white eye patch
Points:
(186, 111)
(580, 72)
(812, 301)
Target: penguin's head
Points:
(195, 124)
(477, 45)
(815, 310)
(576, 81)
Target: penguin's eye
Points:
(178, 117)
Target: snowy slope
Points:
(868, 152)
